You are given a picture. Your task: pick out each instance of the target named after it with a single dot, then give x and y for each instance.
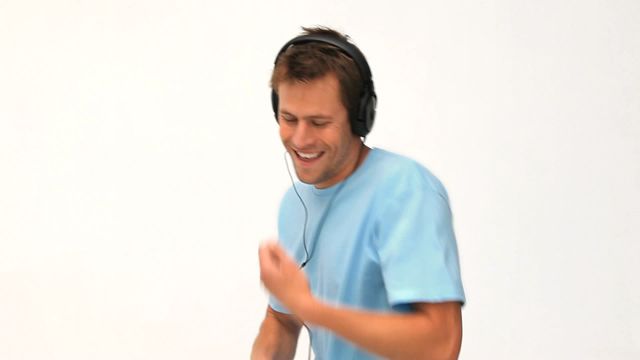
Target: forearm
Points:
(276, 340)
(273, 347)
(393, 336)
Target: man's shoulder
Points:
(397, 170)
(395, 163)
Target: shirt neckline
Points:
(359, 170)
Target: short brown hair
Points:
(313, 60)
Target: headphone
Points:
(362, 122)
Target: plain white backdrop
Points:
(140, 167)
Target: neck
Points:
(360, 156)
(363, 151)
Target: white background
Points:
(141, 167)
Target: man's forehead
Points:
(322, 90)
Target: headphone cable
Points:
(320, 223)
(306, 214)
(304, 242)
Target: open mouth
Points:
(308, 157)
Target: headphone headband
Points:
(363, 121)
(346, 47)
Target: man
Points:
(367, 256)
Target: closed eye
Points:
(288, 118)
(318, 123)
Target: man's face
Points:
(315, 130)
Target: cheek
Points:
(337, 137)
(345, 141)
(284, 133)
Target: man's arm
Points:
(277, 338)
(431, 331)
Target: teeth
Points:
(308, 156)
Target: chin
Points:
(307, 179)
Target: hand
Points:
(283, 277)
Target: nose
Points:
(303, 135)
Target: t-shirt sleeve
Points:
(416, 245)
(275, 305)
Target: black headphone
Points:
(362, 122)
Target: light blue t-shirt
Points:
(385, 241)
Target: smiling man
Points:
(316, 132)
(367, 257)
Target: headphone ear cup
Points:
(366, 114)
(274, 104)
(357, 127)
(370, 112)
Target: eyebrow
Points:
(308, 117)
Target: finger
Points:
(278, 252)
(266, 261)
(276, 248)
(284, 260)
